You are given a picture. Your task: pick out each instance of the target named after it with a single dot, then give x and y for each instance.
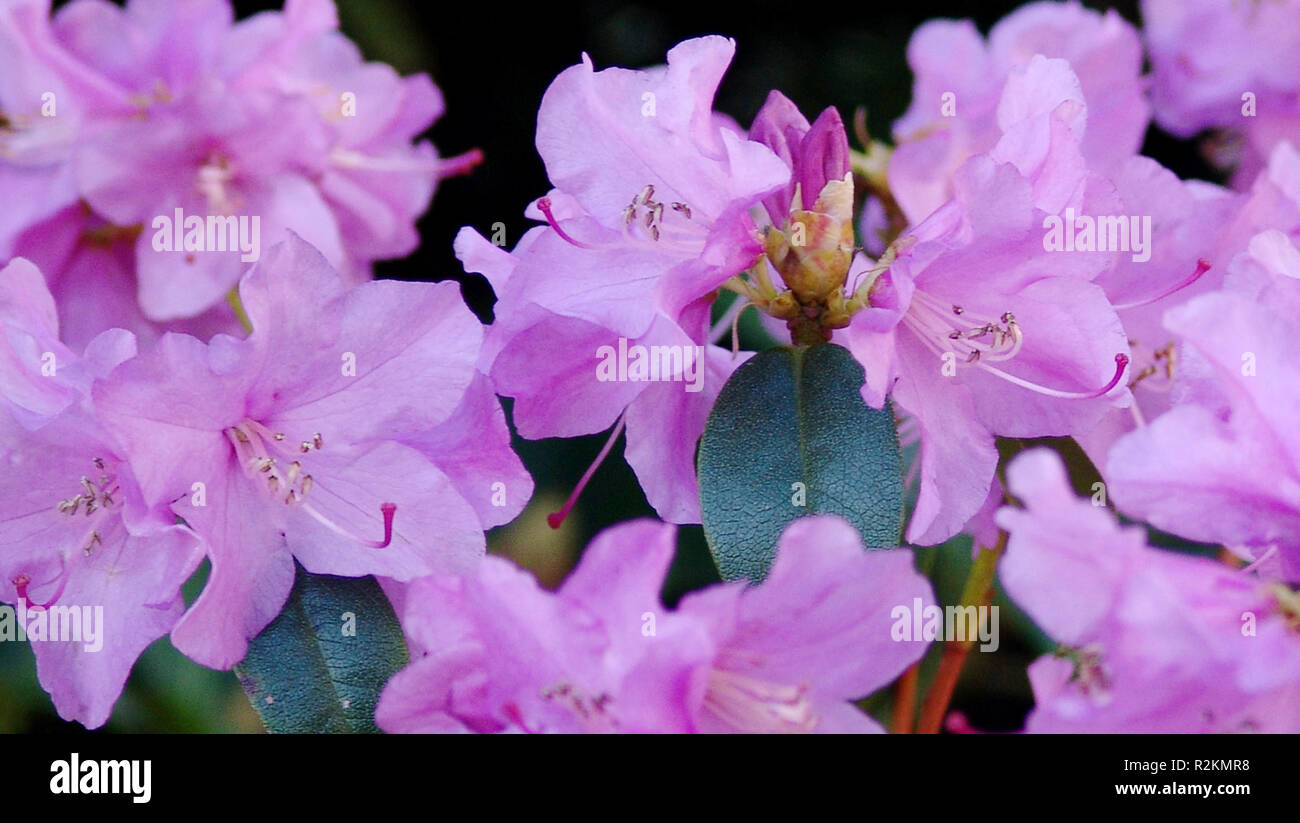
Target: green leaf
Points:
(320, 665)
(795, 415)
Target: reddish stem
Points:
(905, 699)
(977, 592)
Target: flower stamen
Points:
(254, 443)
(979, 340)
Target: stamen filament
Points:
(1261, 560)
(556, 518)
(1138, 418)
(729, 320)
(735, 330)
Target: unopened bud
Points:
(813, 252)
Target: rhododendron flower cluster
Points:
(200, 377)
(200, 118)
(346, 426)
(1226, 67)
(1151, 641)
(602, 654)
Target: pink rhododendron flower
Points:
(196, 363)
(1196, 231)
(1271, 202)
(89, 266)
(308, 440)
(34, 147)
(95, 574)
(30, 348)
(976, 331)
(1226, 65)
(961, 105)
(649, 217)
(1187, 226)
(1152, 641)
(497, 653)
(1239, 485)
(274, 120)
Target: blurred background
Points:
(493, 64)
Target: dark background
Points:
(493, 62)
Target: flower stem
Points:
(905, 699)
(977, 592)
(807, 331)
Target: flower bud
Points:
(812, 253)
